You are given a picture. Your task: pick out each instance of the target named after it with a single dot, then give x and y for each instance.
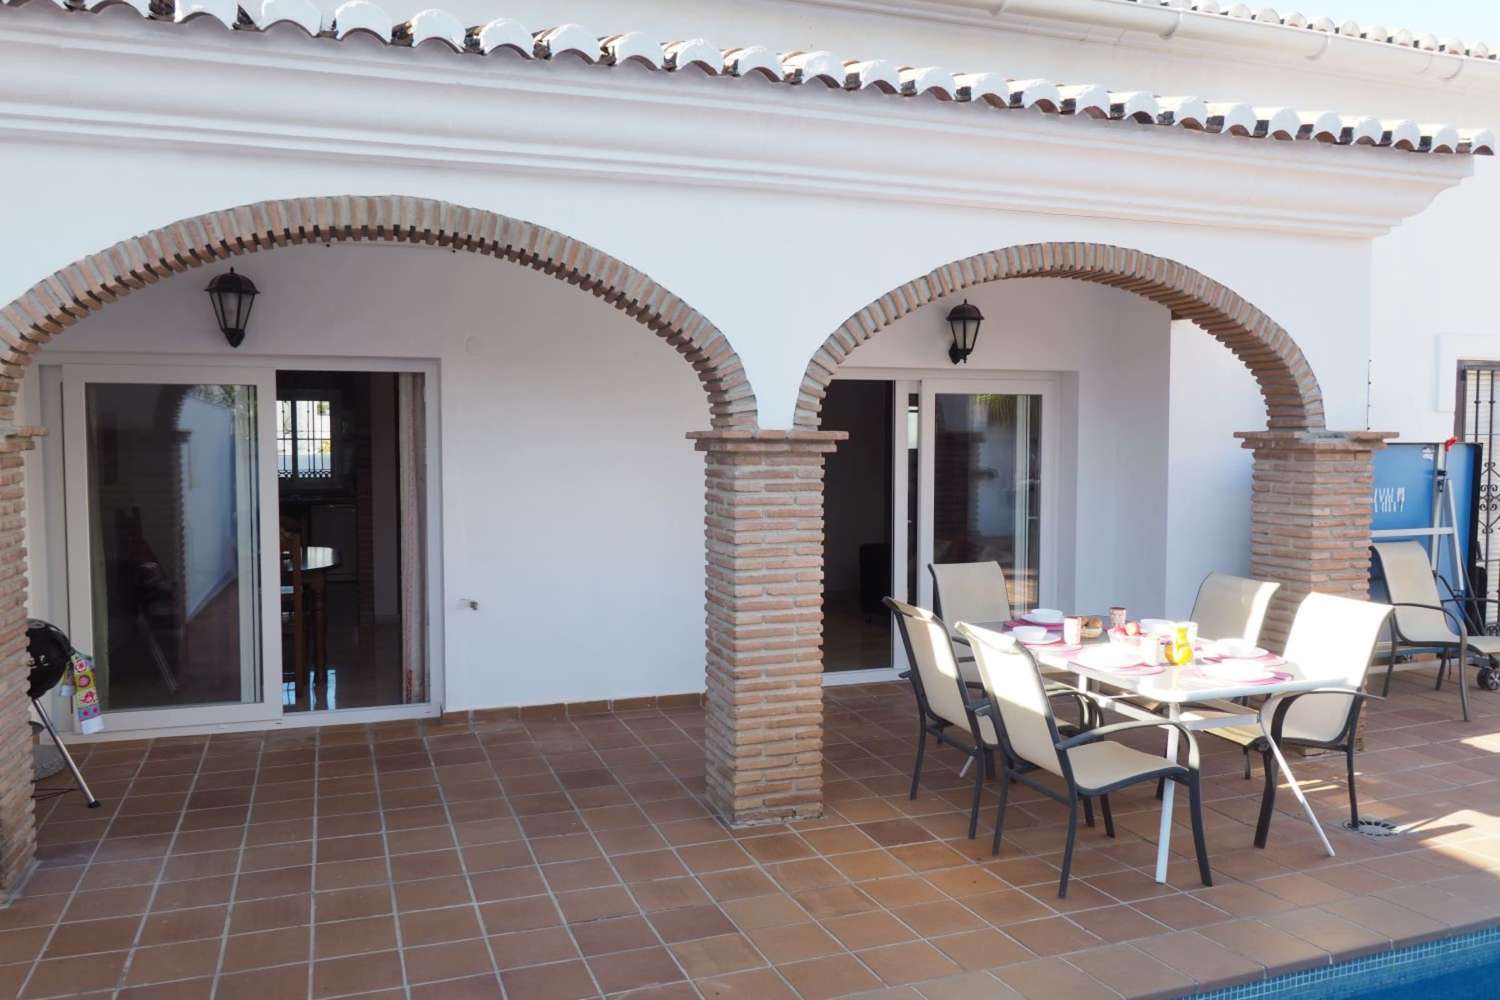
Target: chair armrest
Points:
(981, 707)
(904, 675)
(1091, 735)
(1457, 619)
(1284, 702)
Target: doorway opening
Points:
(935, 470)
(349, 513)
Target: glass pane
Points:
(172, 543)
(857, 490)
(986, 488)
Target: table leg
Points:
(1292, 780)
(1164, 835)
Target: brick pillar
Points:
(1310, 516)
(17, 822)
(764, 708)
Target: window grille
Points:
(304, 439)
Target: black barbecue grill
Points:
(51, 655)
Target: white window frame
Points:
(49, 535)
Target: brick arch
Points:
(1287, 384)
(88, 285)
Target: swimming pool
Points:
(1464, 967)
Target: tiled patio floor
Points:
(552, 860)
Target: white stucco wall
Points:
(776, 212)
(571, 503)
(1112, 350)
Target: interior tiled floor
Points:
(562, 859)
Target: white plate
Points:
(1237, 649)
(1236, 670)
(1108, 657)
(1043, 616)
(1048, 638)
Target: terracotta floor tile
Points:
(757, 984)
(1051, 935)
(449, 960)
(717, 956)
(357, 974)
(1180, 911)
(858, 931)
(454, 923)
(1007, 906)
(1113, 924)
(1342, 939)
(1130, 972)
(472, 988)
(266, 948)
(519, 914)
(909, 962)
(261, 984)
(1265, 944)
(634, 970)
(689, 923)
(165, 962)
(1209, 963)
(668, 894)
(835, 976)
(599, 937)
(907, 890)
(561, 981)
(522, 948)
(783, 944)
(269, 914)
(764, 911)
(835, 901)
(967, 986)
(596, 904)
(927, 857)
(1382, 917)
(895, 832)
(981, 949)
(936, 919)
(354, 937)
(111, 934)
(1050, 978)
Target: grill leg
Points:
(83, 786)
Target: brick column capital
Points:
(767, 442)
(763, 714)
(1315, 441)
(1310, 515)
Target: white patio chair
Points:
(1423, 619)
(1232, 607)
(970, 592)
(1088, 762)
(1333, 640)
(943, 699)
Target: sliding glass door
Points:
(984, 462)
(173, 578)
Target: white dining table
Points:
(1178, 690)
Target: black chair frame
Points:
(1343, 742)
(929, 723)
(1015, 768)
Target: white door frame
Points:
(927, 383)
(50, 601)
(1042, 385)
(263, 565)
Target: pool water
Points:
(1464, 967)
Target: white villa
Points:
(535, 278)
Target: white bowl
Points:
(1045, 616)
(1239, 648)
(1028, 633)
(1157, 626)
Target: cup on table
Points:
(1117, 617)
(1072, 631)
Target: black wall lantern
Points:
(232, 295)
(963, 321)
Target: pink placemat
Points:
(1021, 622)
(1053, 647)
(1275, 677)
(1269, 659)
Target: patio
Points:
(572, 858)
